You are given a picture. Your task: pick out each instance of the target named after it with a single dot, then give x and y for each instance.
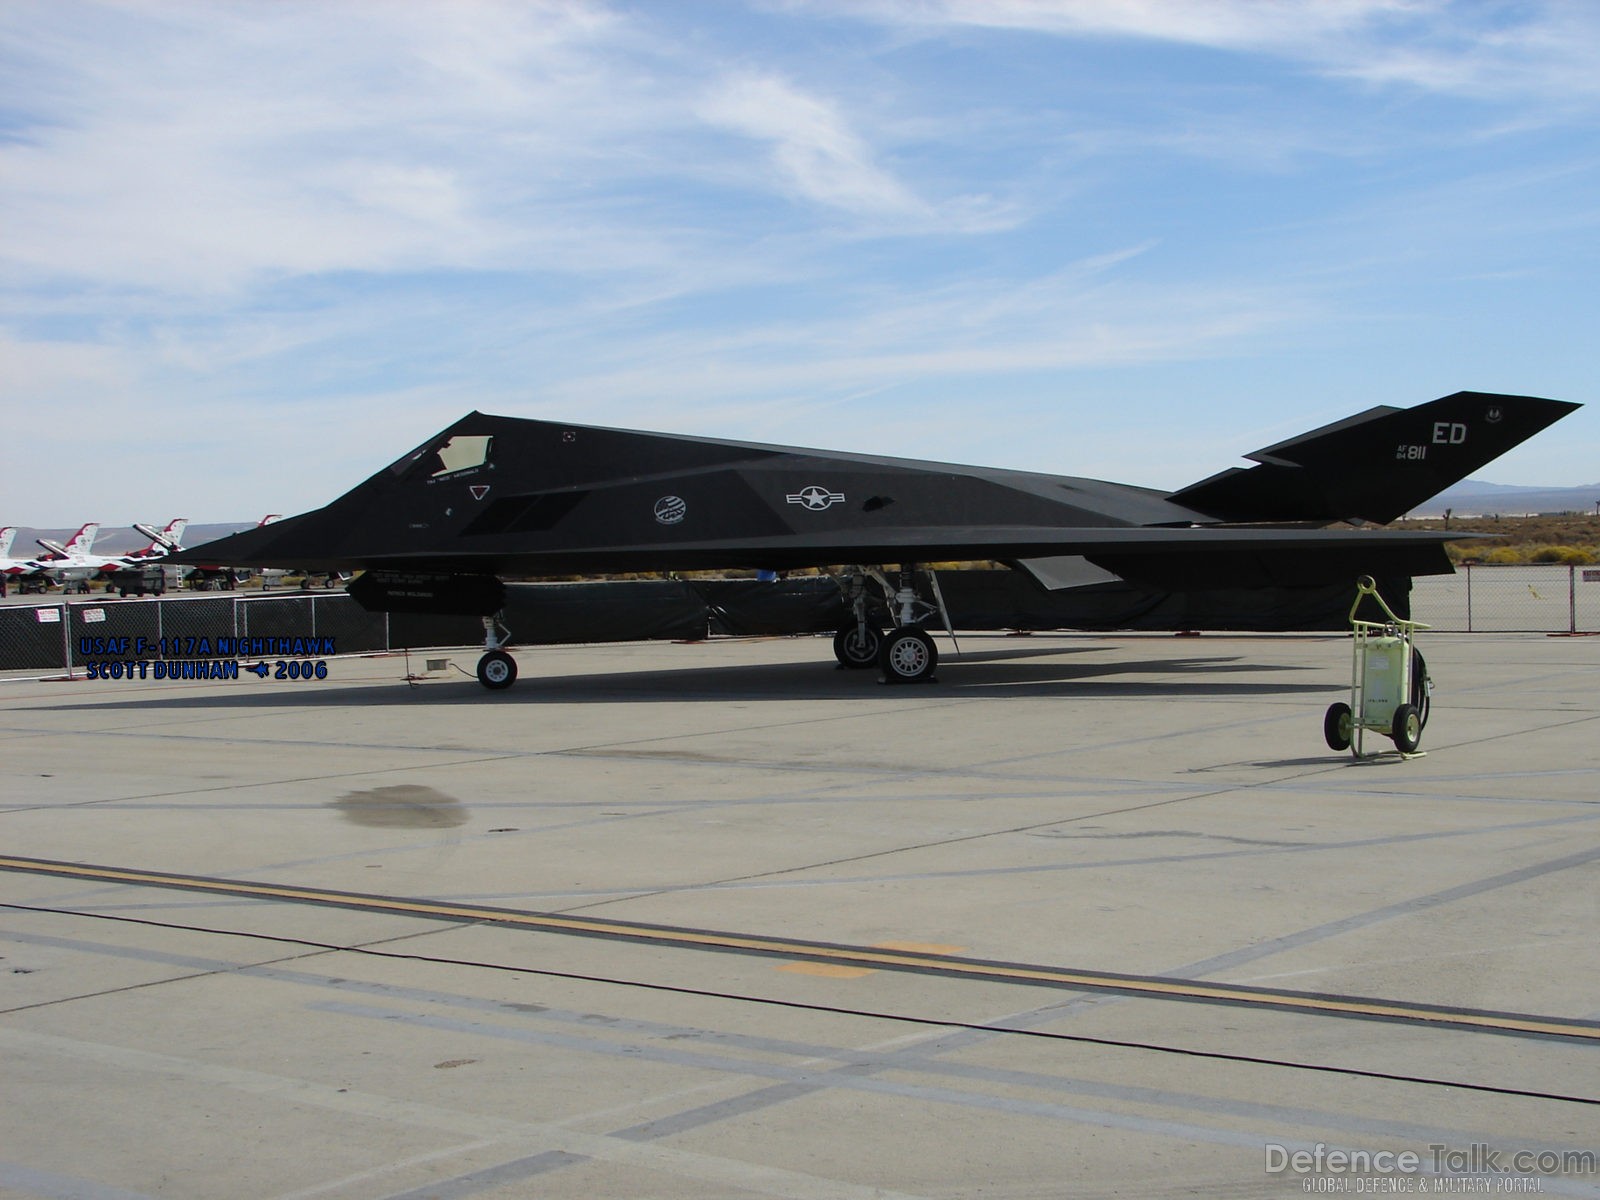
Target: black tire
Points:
(1338, 726)
(857, 647)
(908, 656)
(1407, 729)
(497, 670)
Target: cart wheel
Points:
(1407, 729)
(1337, 726)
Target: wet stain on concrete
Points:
(405, 805)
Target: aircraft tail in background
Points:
(162, 541)
(1375, 466)
(78, 546)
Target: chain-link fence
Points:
(69, 634)
(1520, 598)
(1553, 598)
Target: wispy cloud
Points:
(813, 148)
(212, 148)
(750, 218)
(1244, 24)
(209, 150)
(1536, 49)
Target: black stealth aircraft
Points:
(498, 496)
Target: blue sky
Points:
(251, 252)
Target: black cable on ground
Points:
(837, 1010)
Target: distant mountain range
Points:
(1474, 498)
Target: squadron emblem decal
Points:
(671, 509)
(815, 498)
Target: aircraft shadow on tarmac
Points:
(1044, 672)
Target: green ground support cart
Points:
(1389, 684)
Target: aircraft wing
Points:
(506, 496)
(1188, 557)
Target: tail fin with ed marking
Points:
(1375, 466)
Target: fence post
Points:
(1572, 598)
(66, 637)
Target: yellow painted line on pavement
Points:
(826, 970)
(868, 957)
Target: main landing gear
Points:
(905, 654)
(908, 656)
(856, 646)
(497, 670)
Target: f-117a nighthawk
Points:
(500, 496)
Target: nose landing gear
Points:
(497, 670)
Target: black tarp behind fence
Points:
(48, 636)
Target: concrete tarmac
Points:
(1089, 916)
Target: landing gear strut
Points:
(497, 670)
(906, 654)
(860, 638)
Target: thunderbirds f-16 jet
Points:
(499, 496)
(69, 565)
(10, 567)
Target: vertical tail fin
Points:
(162, 541)
(80, 543)
(1377, 465)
